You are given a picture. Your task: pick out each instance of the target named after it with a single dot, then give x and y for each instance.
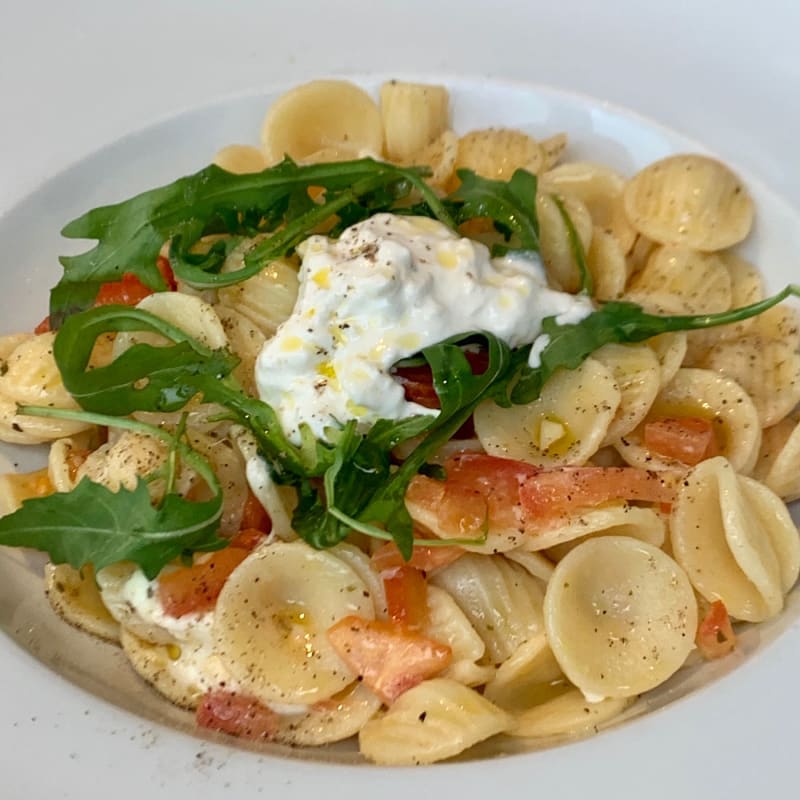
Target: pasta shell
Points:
(733, 542)
(598, 187)
(498, 152)
(448, 624)
(554, 240)
(670, 350)
(530, 676)
(565, 425)
(9, 343)
(569, 714)
(75, 597)
(59, 467)
(333, 720)
(637, 374)
(747, 287)
(240, 159)
(332, 114)
(23, 429)
(437, 719)
(536, 563)
(613, 519)
(553, 148)
(620, 617)
(440, 156)
(779, 460)
(267, 299)
(413, 114)
(246, 341)
(691, 200)
(606, 263)
(187, 312)
(769, 371)
(709, 395)
(124, 461)
(31, 376)
(183, 674)
(699, 281)
(502, 601)
(271, 619)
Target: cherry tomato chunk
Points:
(689, 440)
(237, 715)
(389, 659)
(189, 590)
(715, 636)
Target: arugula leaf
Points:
(143, 378)
(130, 234)
(511, 203)
(460, 392)
(585, 279)
(569, 345)
(92, 524)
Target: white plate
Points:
(728, 739)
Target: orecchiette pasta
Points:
(553, 554)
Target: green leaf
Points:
(460, 392)
(130, 234)
(93, 525)
(510, 204)
(585, 280)
(143, 378)
(569, 345)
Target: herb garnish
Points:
(344, 483)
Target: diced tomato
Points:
(715, 636)
(389, 659)
(254, 515)
(497, 494)
(423, 557)
(689, 440)
(127, 292)
(166, 273)
(479, 491)
(194, 589)
(561, 490)
(418, 381)
(248, 539)
(406, 596)
(237, 715)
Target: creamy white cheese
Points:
(133, 601)
(390, 286)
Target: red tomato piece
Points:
(423, 557)
(194, 589)
(237, 715)
(689, 440)
(127, 292)
(248, 539)
(254, 515)
(166, 273)
(561, 490)
(406, 596)
(479, 491)
(389, 659)
(715, 636)
(418, 381)
(43, 326)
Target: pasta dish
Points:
(385, 431)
